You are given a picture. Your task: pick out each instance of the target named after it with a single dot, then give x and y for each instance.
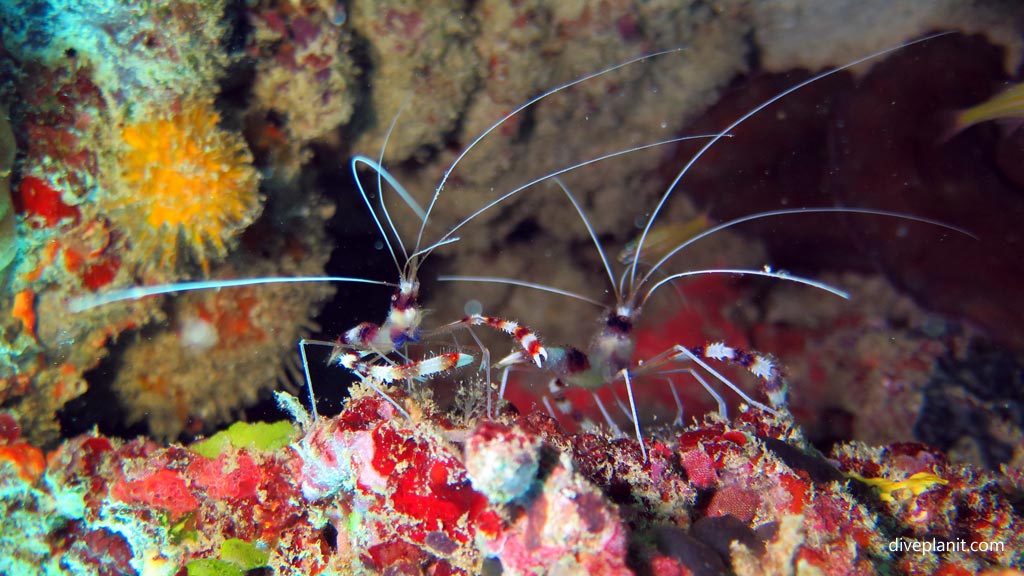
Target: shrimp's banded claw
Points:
(757, 364)
(511, 360)
(527, 338)
(387, 373)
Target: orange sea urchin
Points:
(182, 178)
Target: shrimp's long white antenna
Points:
(403, 193)
(531, 102)
(561, 292)
(431, 248)
(593, 236)
(788, 211)
(305, 370)
(82, 303)
(622, 282)
(766, 273)
(742, 119)
(559, 172)
(381, 172)
(523, 283)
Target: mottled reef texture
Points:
(371, 492)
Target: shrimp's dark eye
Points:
(619, 323)
(576, 361)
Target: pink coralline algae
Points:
(371, 491)
(569, 528)
(406, 486)
(502, 462)
(164, 507)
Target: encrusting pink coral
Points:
(502, 462)
(370, 491)
(568, 528)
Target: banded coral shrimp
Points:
(610, 357)
(361, 346)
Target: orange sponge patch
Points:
(184, 183)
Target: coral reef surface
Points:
(368, 490)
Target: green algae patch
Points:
(213, 567)
(236, 558)
(259, 436)
(244, 554)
